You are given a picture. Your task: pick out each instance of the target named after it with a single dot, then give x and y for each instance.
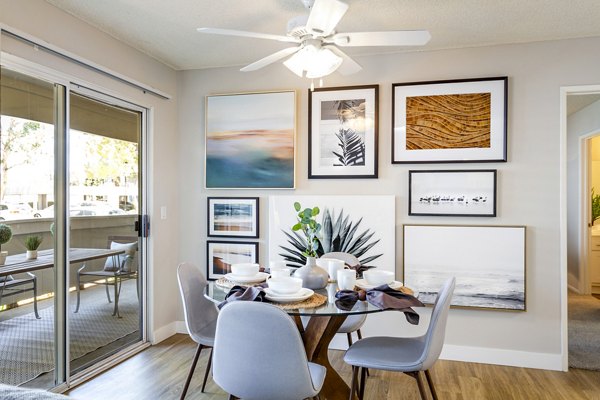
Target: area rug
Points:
(584, 332)
(26, 343)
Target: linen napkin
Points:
(242, 293)
(383, 297)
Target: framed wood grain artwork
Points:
(342, 132)
(450, 121)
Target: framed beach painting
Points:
(250, 140)
(461, 120)
(363, 226)
(233, 217)
(464, 193)
(343, 132)
(487, 261)
(221, 254)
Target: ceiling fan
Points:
(316, 51)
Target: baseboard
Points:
(512, 358)
(164, 332)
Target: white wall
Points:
(528, 184)
(46, 22)
(581, 123)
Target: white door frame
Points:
(564, 91)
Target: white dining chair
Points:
(409, 355)
(200, 316)
(259, 355)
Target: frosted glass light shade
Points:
(313, 63)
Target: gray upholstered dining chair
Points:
(200, 315)
(408, 355)
(353, 323)
(259, 355)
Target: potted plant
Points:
(5, 236)
(595, 206)
(31, 244)
(313, 276)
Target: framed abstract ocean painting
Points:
(343, 132)
(233, 217)
(250, 140)
(488, 263)
(450, 121)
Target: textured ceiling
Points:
(166, 30)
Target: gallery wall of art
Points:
(526, 185)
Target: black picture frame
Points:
(228, 252)
(452, 193)
(450, 121)
(233, 217)
(343, 132)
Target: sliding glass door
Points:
(71, 189)
(104, 195)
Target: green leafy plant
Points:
(310, 227)
(595, 206)
(5, 234)
(339, 233)
(33, 242)
(351, 146)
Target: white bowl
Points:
(285, 285)
(378, 277)
(244, 269)
(281, 273)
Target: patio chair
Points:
(10, 286)
(116, 269)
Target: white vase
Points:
(32, 254)
(3, 255)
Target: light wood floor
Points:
(159, 373)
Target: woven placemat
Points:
(314, 301)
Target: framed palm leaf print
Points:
(343, 132)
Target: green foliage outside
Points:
(595, 206)
(5, 234)
(310, 227)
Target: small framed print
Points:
(221, 254)
(343, 132)
(449, 121)
(464, 193)
(233, 217)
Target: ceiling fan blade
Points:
(263, 62)
(324, 16)
(389, 38)
(348, 66)
(233, 32)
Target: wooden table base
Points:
(318, 334)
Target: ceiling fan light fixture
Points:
(313, 62)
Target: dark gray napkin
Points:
(237, 293)
(383, 297)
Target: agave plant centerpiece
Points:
(313, 276)
(339, 233)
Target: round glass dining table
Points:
(321, 328)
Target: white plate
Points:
(259, 277)
(362, 283)
(303, 294)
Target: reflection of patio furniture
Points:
(17, 264)
(11, 287)
(119, 267)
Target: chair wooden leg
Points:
(192, 368)
(354, 382)
(349, 337)
(421, 385)
(363, 379)
(359, 334)
(430, 382)
(207, 370)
